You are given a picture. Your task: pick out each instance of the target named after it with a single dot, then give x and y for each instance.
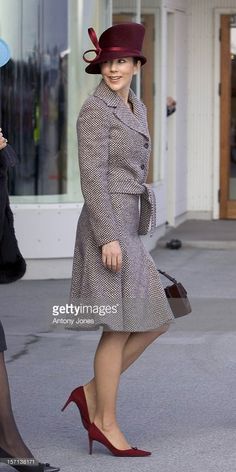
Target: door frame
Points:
(216, 156)
(171, 123)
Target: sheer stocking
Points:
(10, 438)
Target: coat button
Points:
(142, 166)
(146, 145)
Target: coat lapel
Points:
(135, 120)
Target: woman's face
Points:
(118, 73)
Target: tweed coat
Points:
(114, 150)
(12, 264)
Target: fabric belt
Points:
(148, 205)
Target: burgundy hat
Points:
(122, 40)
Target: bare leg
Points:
(107, 369)
(133, 348)
(137, 343)
(10, 438)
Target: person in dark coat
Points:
(12, 264)
(12, 268)
(111, 266)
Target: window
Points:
(34, 95)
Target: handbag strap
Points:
(168, 276)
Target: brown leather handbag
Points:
(177, 297)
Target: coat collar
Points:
(135, 120)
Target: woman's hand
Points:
(3, 141)
(112, 256)
(171, 105)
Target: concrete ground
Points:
(177, 400)
(213, 234)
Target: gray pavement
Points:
(206, 234)
(177, 400)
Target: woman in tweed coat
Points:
(111, 267)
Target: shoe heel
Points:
(67, 403)
(90, 445)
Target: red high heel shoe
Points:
(78, 397)
(94, 434)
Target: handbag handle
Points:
(168, 276)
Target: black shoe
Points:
(32, 464)
(49, 468)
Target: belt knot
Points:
(148, 205)
(148, 210)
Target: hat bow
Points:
(97, 49)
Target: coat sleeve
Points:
(3, 192)
(93, 127)
(8, 158)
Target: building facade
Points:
(42, 88)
